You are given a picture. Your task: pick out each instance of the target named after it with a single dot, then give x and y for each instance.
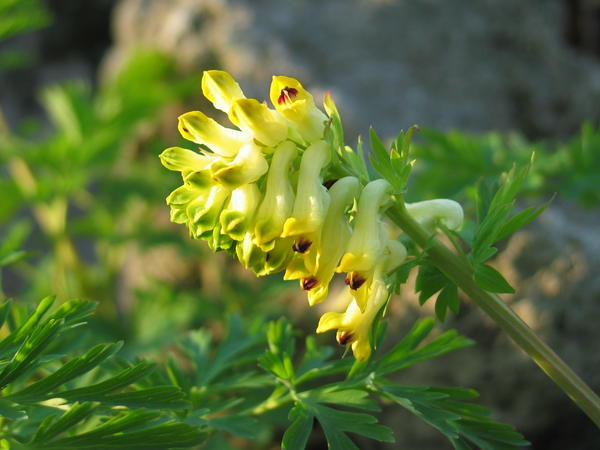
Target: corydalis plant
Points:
(272, 192)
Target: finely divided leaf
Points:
(297, 434)
(461, 422)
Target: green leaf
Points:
(31, 348)
(155, 397)
(521, 219)
(278, 358)
(22, 331)
(132, 429)
(462, 423)
(336, 422)
(41, 390)
(491, 280)
(14, 257)
(75, 414)
(493, 221)
(118, 381)
(4, 311)
(448, 298)
(297, 434)
(337, 395)
(395, 165)
(407, 352)
(11, 410)
(22, 16)
(429, 281)
(314, 363)
(245, 427)
(236, 344)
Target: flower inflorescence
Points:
(266, 192)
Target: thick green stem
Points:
(456, 269)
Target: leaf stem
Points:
(461, 273)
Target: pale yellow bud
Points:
(221, 89)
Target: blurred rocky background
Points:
(473, 65)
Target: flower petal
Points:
(256, 119)
(221, 89)
(296, 104)
(181, 159)
(247, 167)
(330, 321)
(279, 196)
(197, 127)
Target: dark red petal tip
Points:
(309, 283)
(301, 246)
(354, 280)
(287, 95)
(344, 338)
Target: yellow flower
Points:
(221, 89)
(197, 127)
(367, 243)
(354, 326)
(279, 197)
(257, 120)
(312, 200)
(334, 238)
(431, 212)
(297, 105)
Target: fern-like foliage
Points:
(51, 399)
(59, 394)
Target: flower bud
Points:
(236, 219)
(178, 201)
(430, 212)
(217, 240)
(221, 89)
(205, 209)
(250, 254)
(197, 127)
(257, 120)
(279, 197)
(183, 160)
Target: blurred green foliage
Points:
(18, 17)
(451, 164)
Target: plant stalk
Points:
(461, 273)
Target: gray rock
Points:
(472, 65)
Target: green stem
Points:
(461, 273)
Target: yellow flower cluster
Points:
(264, 192)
